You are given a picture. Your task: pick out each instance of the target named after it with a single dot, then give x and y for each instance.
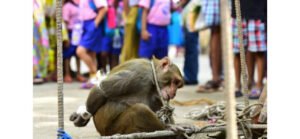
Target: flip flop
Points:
(87, 85)
(210, 86)
(38, 81)
(255, 93)
(238, 93)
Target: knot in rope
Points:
(165, 114)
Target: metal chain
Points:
(59, 64)
(244, 72)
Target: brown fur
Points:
(128, 99)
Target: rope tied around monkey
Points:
(166, 112)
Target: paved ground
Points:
(45, 105)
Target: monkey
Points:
(126, 101)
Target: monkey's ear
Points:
(165, 63)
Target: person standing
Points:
(211, 12)
(92, 35)
(254, 25)
(131, 35)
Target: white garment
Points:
(133, 2)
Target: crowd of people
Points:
(104, 33)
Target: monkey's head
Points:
(169, 77)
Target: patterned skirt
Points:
(211, 12)
(254, 36)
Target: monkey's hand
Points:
(181, 128)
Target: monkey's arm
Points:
(114, 85)
(95, 100)
(118, 83)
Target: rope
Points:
(59, 64)
(164, 133)
(244, 72)
(216, 113)
(166, 112)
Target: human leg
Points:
(87, 59)
(114, 60)
(216, 53)
(104, 61)
(260, 60)
(258, 46)
(250, 59)
(79, 77)
(190, 67)
(67, 77)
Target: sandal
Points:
(38, 81)
(238, 93)
(210, 86)
(87, 85)
(255, 93)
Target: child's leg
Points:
(83, 55)
(94, 57)
(114, 61)
(250, 59)
(104, 61)
(79, 77)
(260, 59)
(216, 53)
(237, 69)
(67, 77)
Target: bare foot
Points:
(68, 79)
(80, 78)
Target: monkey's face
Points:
(171, 81)
(169, 91)
(169, 78)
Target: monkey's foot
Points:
(81, 117)
(78, 120)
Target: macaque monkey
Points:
(126, 101)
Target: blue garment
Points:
(175, 30)
(157, 44)
(191, 61)
(71, 50)
(92, 37)
(107, 44)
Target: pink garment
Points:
(160, 13)
(111, 15)
(70, 14)
(86, 12)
